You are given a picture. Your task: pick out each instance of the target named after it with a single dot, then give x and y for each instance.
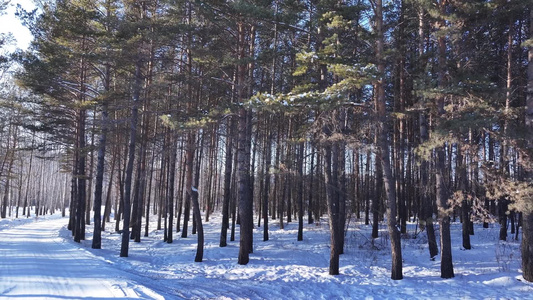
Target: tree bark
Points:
(228, 165)
(301, 192)
(243, 157)
(199, 226)
(462, 177)
(383, 150)
(268, 162)
(107, 209)
(97, 233)
(527, 215)
(333, 211)
(171, 182)
(79, 224)
(426, 211)
(10, 155)
(310, 205)
(124, 249)
(426, 202)
(245, 201)
(442, 189)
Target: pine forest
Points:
(221, 122)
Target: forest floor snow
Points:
(39, 259)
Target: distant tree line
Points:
(385, 111)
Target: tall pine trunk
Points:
(243, 156)
(228, 165)
(268, 162)
(333, 210)
(383, 150)
(426, 212)
(171, 182)
(300, 197)
(244, 196)
(124, 249)
(446, 267)
(193, 191)
(100, 164)
(527, 215)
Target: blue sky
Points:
(10, 23)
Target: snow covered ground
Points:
(36, 263)
(38, 259)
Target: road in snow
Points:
(39, 260)
(36, 263)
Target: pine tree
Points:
(61, 73)
(384, 156)
(107, 26)
(527, 218)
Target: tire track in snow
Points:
(35, 263)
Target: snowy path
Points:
(39, 260)
(35, 263)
